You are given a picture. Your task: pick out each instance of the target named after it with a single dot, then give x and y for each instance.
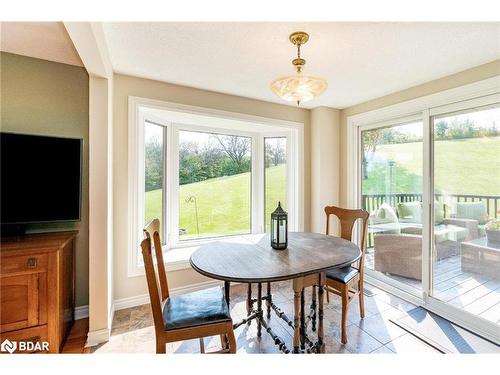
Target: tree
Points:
(190, 163)
(235, 148)
(153, 165)
(441, 129)
(370, 140)
(275, 152)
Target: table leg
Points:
(259, 309)
(268, 300)
(249, 301)
(302, 321)
(297, 290)
(321, 345)
(313, 308)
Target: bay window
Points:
(207, 176)
(214, 185)
(275, 177)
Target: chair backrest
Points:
(152, 231)
(348, 218)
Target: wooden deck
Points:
(475, 293)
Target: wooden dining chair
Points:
(341, 281)
(187, 316)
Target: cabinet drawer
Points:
(24, 263)
(35, 335)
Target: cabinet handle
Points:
(31, 263)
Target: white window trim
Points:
(294, 131)
(477, 94)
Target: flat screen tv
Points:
(40, 179)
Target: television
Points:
(40, 179)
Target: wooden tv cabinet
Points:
(37, 289)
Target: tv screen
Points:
(40, 179)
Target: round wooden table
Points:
(250, 259)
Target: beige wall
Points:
(325, 164)
(455, 80)
(48, 98)
(125, 86)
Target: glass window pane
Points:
(466, 259)
(153, 179)
(275, 176)
(215, 185)
(391, 180)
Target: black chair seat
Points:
(194, 309)
(343, 275)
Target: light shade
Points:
(298, 88)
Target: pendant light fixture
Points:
(298, 88)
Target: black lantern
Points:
(279, 228)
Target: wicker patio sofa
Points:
(398, 244)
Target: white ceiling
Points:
(361, 61)
(43, 40)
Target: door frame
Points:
(477, 94)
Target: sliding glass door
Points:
(431, 183)
(466, 184)
(391, 186)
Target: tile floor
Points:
(133, 331)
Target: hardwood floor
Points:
(75, 343)
(475, 293)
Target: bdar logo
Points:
(8, 346)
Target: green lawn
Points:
(468, 166)
(223, 203)
(463, 166)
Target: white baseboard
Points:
(97, 337)
(111, 314)
(125, 303)
(81, 312)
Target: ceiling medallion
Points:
(298, 88)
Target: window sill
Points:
(178, 259)
(175, 260)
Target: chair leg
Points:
(231, 339)
(202, 346)
(327, 297)
(223, 341)
(361, 300)
(160, 347)
(345, 303)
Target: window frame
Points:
(293, 131)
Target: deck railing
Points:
(372, 202)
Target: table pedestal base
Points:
(301, 341)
